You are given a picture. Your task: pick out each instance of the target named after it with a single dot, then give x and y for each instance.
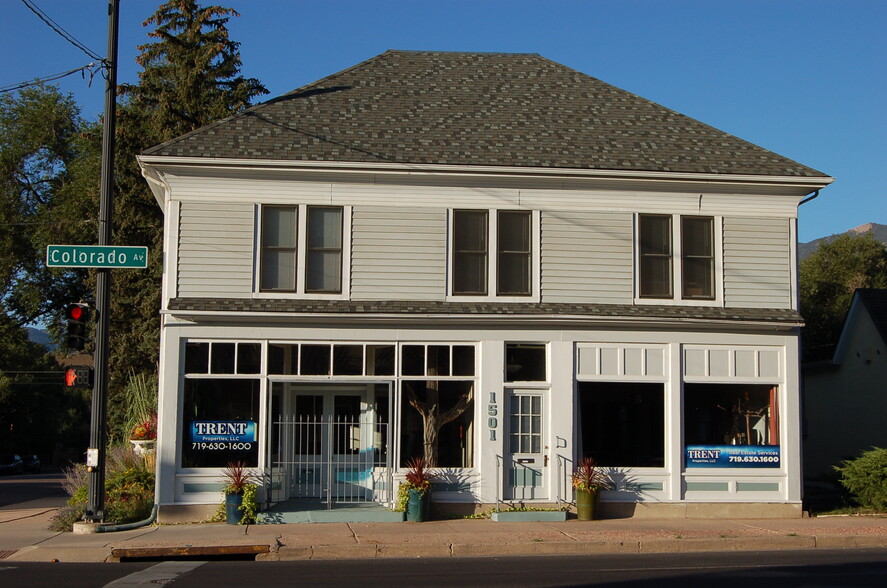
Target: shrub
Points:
(866, 478)
(129, 490)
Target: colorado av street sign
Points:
(96, 256)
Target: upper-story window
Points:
(684, 262)
(493, 253)
(302, 249)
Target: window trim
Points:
(302, 254)
(677, 265)
(493, 258)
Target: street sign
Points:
(96, 256)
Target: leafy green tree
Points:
(48, 157)
(828, 279)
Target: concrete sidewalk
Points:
(24, 537)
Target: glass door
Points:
(525, 470)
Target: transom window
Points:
(692, 251)
(302, 249)
(481, 271)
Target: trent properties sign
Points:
(96, 256)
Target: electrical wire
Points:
(62, 32)
(89, 67)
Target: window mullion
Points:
(677, 279)
(302, 248)
(493, 253)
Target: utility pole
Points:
(95, 510)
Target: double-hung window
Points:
(302, 249)
(676, 264)
(493, 253)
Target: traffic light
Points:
(78, 316)
(78, 377)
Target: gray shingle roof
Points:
(407, 308)
(492, 109)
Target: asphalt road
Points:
(783, 569)
(21, 488)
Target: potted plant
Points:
(238, 482)
(588, 481)
(144, 435)
(414, 494)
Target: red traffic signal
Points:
(77, 312)
(78, 315)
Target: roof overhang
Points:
(153, 167)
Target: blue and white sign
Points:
(223, 431)
(732, 456)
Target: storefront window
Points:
(437, 408)
(731, 425)
(447, 405)
(220, 422)
(622, 424)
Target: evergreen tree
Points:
(190, 79)
(828, 279)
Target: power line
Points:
(62, 32)
(89, 67)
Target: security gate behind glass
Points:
(331, 449)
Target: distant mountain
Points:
(879, 231)
(40, 336)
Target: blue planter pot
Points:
(232, 508)
(419, 506)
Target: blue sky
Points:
(804, 78)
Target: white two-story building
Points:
(491, 261)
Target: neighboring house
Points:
(491, 261)
(845, 398)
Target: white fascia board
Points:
(801, 182)
(475, 320)
(159, 187)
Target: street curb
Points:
(266, 552)
(466, 550)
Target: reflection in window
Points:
(437, 419)
(525, 362)
(380, 360)
(697, 257)
(515, 252)
(655, 256)
(315, 360)
(347, 360)
(324, 250)
(622, 424)
(470, 246)
(232, 402)
(730, 414)
(196, 358)
(525, 423)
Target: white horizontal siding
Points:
(398, 253)
(587, 257)
(757, 262)
(215, 256)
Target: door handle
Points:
(545, 463)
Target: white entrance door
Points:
(526, 469)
